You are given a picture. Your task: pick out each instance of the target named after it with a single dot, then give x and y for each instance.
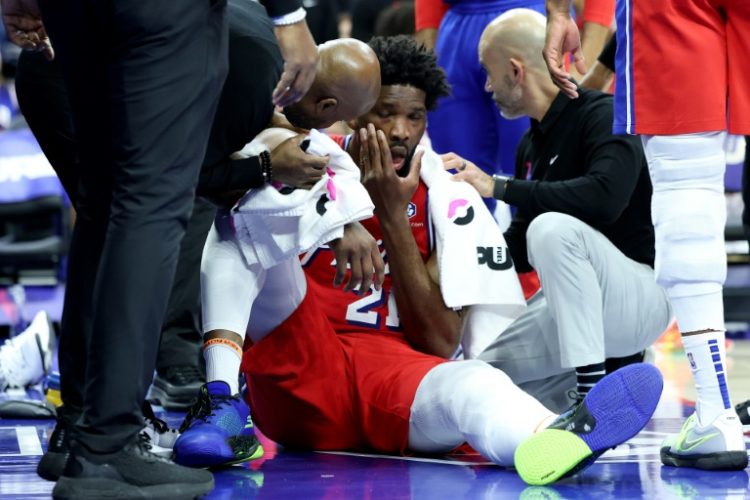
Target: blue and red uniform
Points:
(681, 66)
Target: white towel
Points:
(473, 260)
(272, 226)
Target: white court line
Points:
(28, 442)
(410, 459)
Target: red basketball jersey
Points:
(374, 311)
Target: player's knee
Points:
(685, 161)
(689, 230)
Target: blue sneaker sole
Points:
(622, 404)
(618, 407)
(210, 453)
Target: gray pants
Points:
(596, 303)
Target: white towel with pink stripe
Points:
(473, 260)
(274, 223)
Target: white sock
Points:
(223, 363)
(706, 353)
(470, 401)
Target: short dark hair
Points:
(403, 61)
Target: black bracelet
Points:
(265, 166)
(501, 185)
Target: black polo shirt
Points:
(571, 163)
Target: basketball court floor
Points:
(632, 470)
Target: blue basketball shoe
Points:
(613, 411)
(217, 430)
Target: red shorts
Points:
(312, 388)
(682, 66)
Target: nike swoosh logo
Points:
(553, 160)
(688, 444)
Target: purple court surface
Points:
(632, 470)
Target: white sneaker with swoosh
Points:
(717, 446)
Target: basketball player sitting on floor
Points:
(329, 369)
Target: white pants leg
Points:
(242, 298)
(470, 401)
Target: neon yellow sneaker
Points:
(717, 446)
(613, 411)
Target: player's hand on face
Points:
(563, 38)
(300, 62)
(359, 251)
(292, 166)
(469, 172)
(389, 192)
(23, 24)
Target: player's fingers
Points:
(355, 276)
(374, 149)
(364, 152)
(367, 272)
(338, 278)
(384, 152)
(379, 265)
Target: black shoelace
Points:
(151, 418)
(204, 407)
(143, 448)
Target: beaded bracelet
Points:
(265, 166)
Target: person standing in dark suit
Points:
(143, 81)
(245, 108)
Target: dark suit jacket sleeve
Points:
(229, 175)
(612, 164)
(277, 8)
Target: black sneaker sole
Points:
(51, 466)
(68, 488)
(726, 460)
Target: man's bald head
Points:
(517, 33)
(347, 84)
(510, 50)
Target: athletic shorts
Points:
(682, 66)
(312, 388)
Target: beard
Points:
(508, 101)
(298, 117)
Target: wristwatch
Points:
(501, 185)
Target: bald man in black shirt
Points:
(582, 223)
